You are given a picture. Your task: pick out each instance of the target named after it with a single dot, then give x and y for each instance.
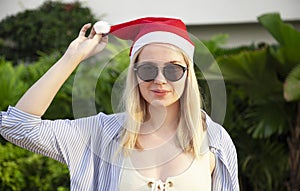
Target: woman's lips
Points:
(160, 92)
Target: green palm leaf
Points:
(252, 71)
(268, 118)
(287, 53)
(284, 33)
(292, 85)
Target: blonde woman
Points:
(162, 141)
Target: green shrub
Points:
(49, 28)
(11, 84)
(23, 170)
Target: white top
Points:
(196, 177)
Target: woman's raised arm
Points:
(39, 96)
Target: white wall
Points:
(199, 11)
(238, 34)
(191, 11)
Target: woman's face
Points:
(165, 88)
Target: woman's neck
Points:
(161, 119)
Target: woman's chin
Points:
(158, 103)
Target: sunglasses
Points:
(148, 71)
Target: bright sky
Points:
(190, 11)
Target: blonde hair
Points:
(190, 128)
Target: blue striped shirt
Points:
(88, 146)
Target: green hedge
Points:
(23, 170)
(43, 30)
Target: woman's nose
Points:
(160, 78)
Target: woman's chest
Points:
(182, 173)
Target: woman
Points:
(163, 140)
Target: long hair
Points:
(190, 128)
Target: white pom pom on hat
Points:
(101, 27)
(149, 30)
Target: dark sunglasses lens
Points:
(147, 72)
(173, 72)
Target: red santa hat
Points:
(149, 30)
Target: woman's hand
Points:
(84, 47)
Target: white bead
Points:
(102, 27)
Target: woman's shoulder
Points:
(114, 117)
(114, 121)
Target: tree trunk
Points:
(294, 147)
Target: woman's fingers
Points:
(92, 33)
(104, 39)
(102, 42)
(84, 29)
(98, 38)
(88, 46)
(95, 36)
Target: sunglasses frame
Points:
(138, 65)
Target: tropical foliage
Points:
(265, 83)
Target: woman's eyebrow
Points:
(175, 62)
(166, 62)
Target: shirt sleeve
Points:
(58, 139)
(225, 175)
